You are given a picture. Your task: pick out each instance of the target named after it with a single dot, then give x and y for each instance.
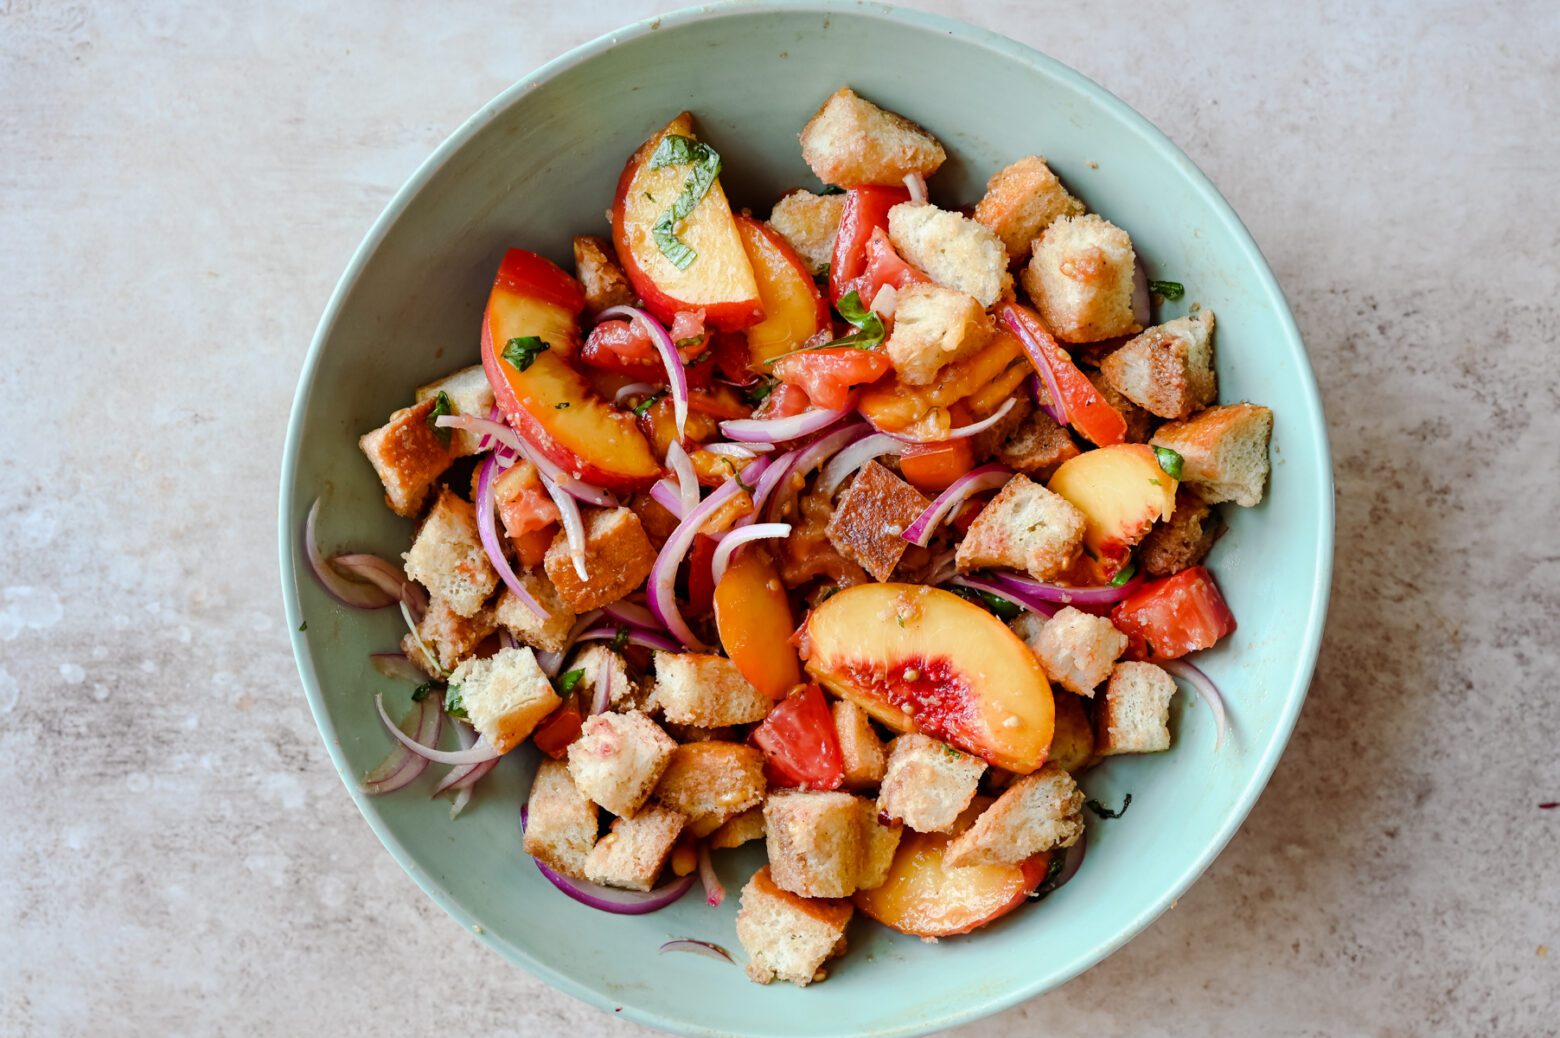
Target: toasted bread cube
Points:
(603, 280)
(470, 394)
(1140, 424)
(878, 844)
(927, 783)
(547, 634)
(860, 749)
(814, 842)
(599, 663)
(955, 251)
(851, 142)
(1080, 278)
(447, 557)
(1224, 451)
(618, 558)
(873, 512)
(505, 695)
(1024, 527)
(1168, 369)
(1183, 541)
(933, 327)
(788, 937)
(809, 222)
(561, 823)
(709, 691)
(1036, 813)
(446, 634)
(987, 443)
(739, 829)
(1134, 714)
(1038, 446)
(710, 782)
(1072, 741)
(618, 759)
(1022, 200)
(1076, 649)
(408, 455)
(634, 851)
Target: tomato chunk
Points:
(885, 267)
(865, 210)
(624, 347)
(1087, 411)
(828, 376)
(933, 467)
(560, 728)
(800, 744)
(786, 401)
(1168, 618)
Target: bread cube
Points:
(1081, 279)
(1133, 716)
(878, 844)
(814, 842)
(1224, 451)
(618, 558)
(739, 829)
(561, 823)
(506, 696)
(1072, 741)
(787, 937)
(851, 142)
(986, 444)
(634, 851)
(1183, 540)
(1022, 200)
(447, 557)
(408, 455)
(710, 782)
(860, 749)
(1038, 446)
(876, 508)
(927, 783)
(547, 634)
(446, 634)
(809, 222)
(599, 663)
(933, 327)
(955, 251)
(1076, 649)
(618, 759)
(1025, 527)
(1035, 813)
(1168, 369)
(470, 394)
(605, 284)
(709, 691)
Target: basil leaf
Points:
(1170, 461)
(648, 402)
(441, 406)
(1125, 575)
(620, 639)
(452, 702)
(1105, 812)
(1171, 290)
(424, 690)
(831, 189)
(759, 391)
(523, 351)
(676, 150)
(1000, 607)
(569, 680)
(692, 340)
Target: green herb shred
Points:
(1169, 460)
(303, 627)
(452, 702)
(620, 639)
(1171, 290)
(560, 405)
(523, 350)
(643, 407)
(1105, 812)
(832, 189)
(1052, 871)
(994, 604)
(869, 333)
(1125, 575)
(441, 406)
(570, 679)
(677, 150)
(426, 689)
(759, 391)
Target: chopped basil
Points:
(441, 406)
(831, 189)
(1125, 575)
(523, 350)
(759, 391)
(692, 340)
(560, 405)
(1000, 607)
(570, 679)
(641, 408)
(424, 690)
(869, 333)
(1052, 871)
(452, 702)
(677, 150)
(303, 627)
(1169, 460)
(620, 639)
(1105, 812)
(1171, 290)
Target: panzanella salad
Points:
(860, 530)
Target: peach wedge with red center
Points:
(1121, 491)
(921, 659)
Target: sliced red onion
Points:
(1042, 400)
(687, 479)
(552, 474)
(697, 947)
(496, 430)
(668, 495)
(1209, 692)
(1100, 594)
(766, 485)
(495, 414)
(633, 636)
(851, 458)
(507, 640)
(810, 457)
(422, 647)
(487, 532)
(676, 375)
(663, 574)
(634, 389)
(354, 593)
(475, 755)
(976, 480)
(1140, 302)
(601, 686)
(573, 525)
(991, 587)
(624, 611)
(1053, 406)
(714, 890)
(917, 187)
(397, 665)
(737, 538)
(402, 766)
(886, 301)
(780, 430)
(552, 662)
(383, 574)
(465, 776)
(739, 451)
(964, 431)
(610, 899)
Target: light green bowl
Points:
(538, 165)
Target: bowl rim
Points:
(290, 536)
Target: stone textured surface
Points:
(179, 188)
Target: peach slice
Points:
(922, 898)
(753, 619)
(794, 310)
(922, 659)
(1121, 491)
(718, 279)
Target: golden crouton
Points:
(1036, 813)
(1224, 451)
(408, 455)
(709, 691)
(1182, 541)
(446, 634)
(1038, 446)
(618, 758)
(1133, 716)
(1081, 279)
(788, 937)
(711, 782)
(878, 844)
(934, 327)
(1025, 527)
(603, 280)
(618, 558)
(1076, 649)
(927, 783)
(505, 696)
(548, 634)
(860, 749)
(739, 829)
(1021, 200)
(955, 251)
(1168, 369)
(634, 851)
(469, 393)
(447, 556)
(873, 512)
(851, 142)
(1072, 742)
(814, 841)
(561, 822)
(809, 222)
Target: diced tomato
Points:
(786, 401)
(1168, 618)
(701, 579)
(964, 518)
(933, 467)
(799, 742)
(688, 331)
(558, 730)
(522, 504)
(732, 357)
(531, 546)
(1086, 410)
(828, 376)
(865, 210)
(624, 347)
(885, 267)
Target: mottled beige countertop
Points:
(181, 185)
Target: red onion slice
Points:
(464, 777)
(402, 766)
(633, 636)
(1054, 407)
(737, 538)
(488, 428)
(886, 301)
(1209, 692)
(1098, 594)
(610, 899)
(668, 495)
(475, 755)
(627, 612)
(976, 480)
(780, 430)
(422, 647)
(354, 593)
(697, 947)
(851, 458)
(601, 686)
(965, 431)
(383, 574)
(739, 451)
(687, 479)
(487, 532)
(777, 471)
(396, 665)
(714, 890)
(916, 184)
(810, 457)
(1038, 607)
(634, 389)
(676, 374)
(573, 525)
